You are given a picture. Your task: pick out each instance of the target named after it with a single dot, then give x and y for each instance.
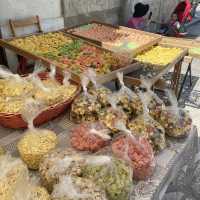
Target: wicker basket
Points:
(15, 120)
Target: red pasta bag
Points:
(90, 137)
(137, 151)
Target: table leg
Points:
(22, 67)
(189, 71)
(176, 77)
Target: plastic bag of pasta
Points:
(128, 100)
(77, 188)
(36, 142)
(67, 89)
(110, 174)
(155, 104)
(29, 189)
(136, 151)
(47, 90)
(12, 85)
(15, 182)
(13, 172)
(85, 107)
(145, 126)
(97, 90)
(176, 121)
(109, 116)
(90, 137)
(60, 162)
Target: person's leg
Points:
(170, 31)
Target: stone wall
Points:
(82, 11)
(50, 12)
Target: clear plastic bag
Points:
(109, 116)
(150, 129)
(77, 188)
(12, 85)
(145, 126)
(90, 137)
(60, 162)
(99, 91)
(176, 121)
(128, 100)
(15, 181)
(13, 172)
(85, 107)
(29, 189)
(110, 174)
(36, 142)
(154, 104)
(136, 151)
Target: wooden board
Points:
(183, 43)
(131, 30)
(47, 62)
(155, 38)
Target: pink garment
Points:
(136, 22)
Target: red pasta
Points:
(89, 137)
(138, 153)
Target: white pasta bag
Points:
(36, 142)
(6, 74)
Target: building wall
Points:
(50, 12)
(81, 11)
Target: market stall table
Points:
(169, 162)
(192, 45)
(155, 74)
(70, 53)
(113, 37)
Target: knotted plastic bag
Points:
(13, 85)
(36, 142)
(110, 174)
(145, 126)
(90, 137)
(77, 188)
(110, 115)
(60, 162)
(85, 107)
(128, 100)
(176, 121)
(98, 90)
(136, 151)
(155, 104)
(13, 173)
(15, 181)
(48, 90)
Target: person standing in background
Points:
(138, 20)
